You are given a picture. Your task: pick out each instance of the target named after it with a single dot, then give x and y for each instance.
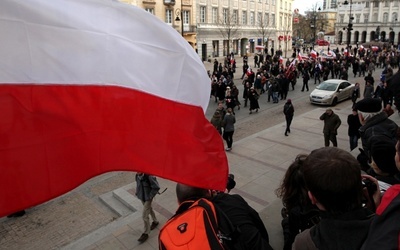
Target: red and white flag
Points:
(290, 69)
(92, 86)
(313, 54)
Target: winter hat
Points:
(369, 105)
(231, 182)
(383, 150)
(289, 101)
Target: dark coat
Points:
(354, 125)
(288, 109)
(146, 187)
(331, 123)
(347, 231)
(253, 234)
(379, 124)
(253, 97)
(384, 230)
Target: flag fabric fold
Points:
(92, 86)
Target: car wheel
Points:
(334, 102)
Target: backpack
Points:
(197, 225)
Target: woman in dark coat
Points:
(253, 97)
(288, 110)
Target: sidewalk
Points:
(259, 163)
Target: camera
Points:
(370, 186)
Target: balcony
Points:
(169, 2)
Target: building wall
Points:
(368, 16)
(212, 34)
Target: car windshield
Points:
(329, 86)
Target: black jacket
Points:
(354, 125)
(344, 232)
(379, 124)
(253, 234)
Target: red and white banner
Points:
(92, 86)
(313, 54)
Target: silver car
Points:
(330, 92)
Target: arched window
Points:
(385, 17)
(394, 17)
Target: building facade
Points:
(242, 26)
(215, 28)
(371, 21)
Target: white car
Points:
(330, 92)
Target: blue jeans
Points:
(275, 96)
(353, 142)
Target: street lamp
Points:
(350, 25)
(179, 17)
(314, 26)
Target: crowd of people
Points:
(331, 199)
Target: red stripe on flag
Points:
(53, 138)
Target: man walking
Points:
(331, 125)
(288, 110)
(146, 188)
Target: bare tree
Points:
(264, 29)
(302, 29)
(228, 25)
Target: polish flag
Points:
(93, 86)
(313, 54)
(290, 69)
(299, 57)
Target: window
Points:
(235, 16)
(376, 4)
(367, 4)
(168, 16)
(202, 14)
(396, 4)
(186, 17)
(252, 18)
(273, 2)
(244, 17)
(273, 19)
(366, 17)
(285, 5)
(386, 3)
(214, 15)
(341, 18)
(281, 4)
(266, 2)
(259, 18)
(225, 16)
(150, 10)
(375, 17)
(385, 17)
(358, 17)
(394, 17)
(280, 22)
(266, 20)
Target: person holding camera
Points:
(334, 183)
